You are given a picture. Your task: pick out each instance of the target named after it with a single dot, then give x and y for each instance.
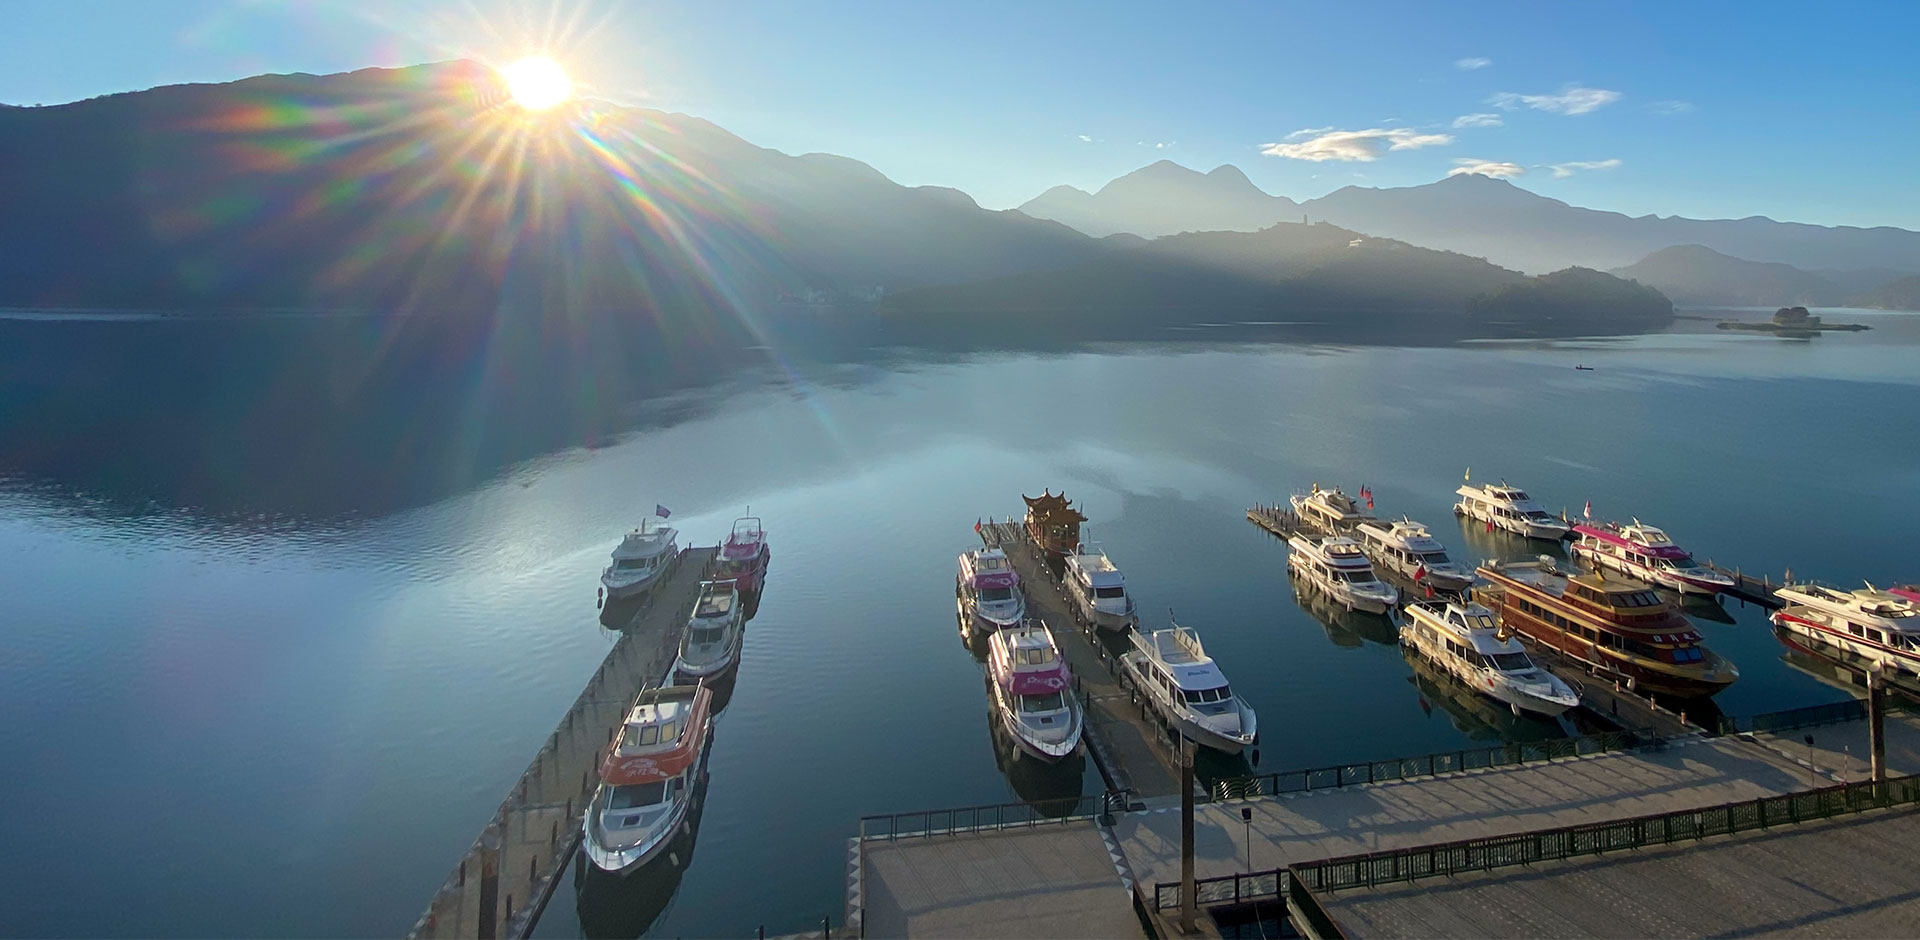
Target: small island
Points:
(1794, 322)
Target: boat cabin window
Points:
(634, 564)
(1688, 654)
(707, 634)
(1482, 621)
(1204, 696)
(1856, 629)
(1109, 592)
(637, 795)
(653, 734)
(1538, 514)
(1435, 558)
(1033, 656)
(1510, 662)
(996, 594)
(1050, 702)
(1875, 636)
(1355, 577)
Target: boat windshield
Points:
(632, 564)
(1050, 702)
(1354, 577)
(1033, 656)
(708, 634)
(1435, 558)
(1204, 696)
(1683, 562)
(637, 795)
(1537, 514)
(1109, 592)
(652, 734)
(1510, 662)
(1482, 621)
(996, 594)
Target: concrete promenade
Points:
(965, 885)
(1050, 881)
(1851, 876)
(500, 885)
(1321, 824)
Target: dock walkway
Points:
(502, 883)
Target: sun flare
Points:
(537, 83)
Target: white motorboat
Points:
(1510, 509)
(1338, 567)
(1187, 688)
(647, 780)
(1329, 510)
(1408, 549)
(711, 644)
(641, 558)
(1033, 691)
(1466, 640)
(1647, 553)
(1883, 627)
(1098, 589)
(988, 591)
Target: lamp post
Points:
(1246, 817)
(1812, 783)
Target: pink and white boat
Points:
(988, 591)
(744, 556)
(1644, 552)
(1033, 691)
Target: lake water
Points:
(263, 722)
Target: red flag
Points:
(976, 525)
(1420, 572)
(1588, 512)
(1429, 588)
(1369, 499)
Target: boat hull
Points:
(1638, 677)
(621, 589)
(627, 861)
(1668, 580)
(1360, 603)
(747, 575)
(1046, 751)
(1101, 619)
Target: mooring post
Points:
(1877, 723)
(489, 890)
(1186, 836)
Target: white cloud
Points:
(1085, 139)
(1573, 99)
(1481, 119)
(1474, 62)
(1352, 146)
(1670, 107)
(1307, 132)
(1492, 168)
(1563, 170)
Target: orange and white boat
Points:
(647, 781)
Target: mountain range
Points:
(1472, 214)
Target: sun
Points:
(537, 83)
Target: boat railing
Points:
(1428, 765)
(1793, 718)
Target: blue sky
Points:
(1705, 109)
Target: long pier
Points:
(504, 880)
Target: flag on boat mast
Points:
(1469, 477)
(1588, 512)
(661, 511)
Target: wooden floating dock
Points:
(1133, 752)
(504, 880)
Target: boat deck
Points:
(503, 881)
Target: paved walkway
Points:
(1048, 881)
(1852, 876)
(1840, 750)
(1423, 811)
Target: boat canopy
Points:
(1186, 662)
(989, 568)
(1625, 538)
(661, 738)
(1097, 568)
(716, 600)
(1029, 663)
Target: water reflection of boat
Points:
(611, 905)
(1473, 714)
(1838, 667)
(1344, 627)
(1052, 788)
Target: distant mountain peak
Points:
(1165, 198)
(1229, 172)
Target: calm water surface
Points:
(222, 725)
